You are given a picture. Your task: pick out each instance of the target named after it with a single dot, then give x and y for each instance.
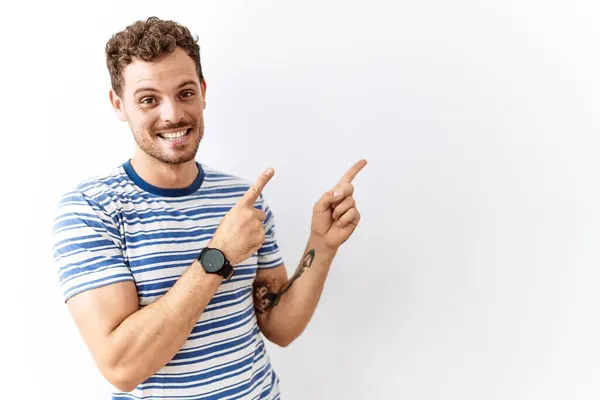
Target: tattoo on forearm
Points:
(306, 263)
(264, 293)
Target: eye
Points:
(147, 100)
(187, 93)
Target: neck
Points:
(166, 176)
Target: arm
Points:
(130, 344)
(284, 307)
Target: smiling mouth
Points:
(174, 135)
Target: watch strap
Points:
(226, 271)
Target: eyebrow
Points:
(151, 89)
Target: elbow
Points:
(124, 385)
(282, 340)
(121, 378)
(281, 337)
(284, 343)
(120, 371)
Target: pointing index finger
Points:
(353, 171)
(257, 187)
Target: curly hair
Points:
(148, 40)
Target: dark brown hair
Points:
(148, 40)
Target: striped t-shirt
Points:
(117, 227)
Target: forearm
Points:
(149, 338)
(296, 301)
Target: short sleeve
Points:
(87, 246)
(269, 255)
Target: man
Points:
(170, 268)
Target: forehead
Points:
(163, 75)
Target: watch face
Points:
(212, 260)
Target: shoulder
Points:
(217, 177)
(224, 182)
(100, 191)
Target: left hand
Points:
(335, 216)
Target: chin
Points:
(176, 159)
(152, 147)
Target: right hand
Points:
(241, 232)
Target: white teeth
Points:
(173, 135)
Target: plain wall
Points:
(474, 273)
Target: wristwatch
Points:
(214, 262)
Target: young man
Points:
(170, 268)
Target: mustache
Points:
(175, 126)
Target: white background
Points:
(475, 271)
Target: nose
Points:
(170, 112)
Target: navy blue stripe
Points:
(98, 283)
(160, 191)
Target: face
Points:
(163, 102)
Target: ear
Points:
(203, 86)
(117, 104)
